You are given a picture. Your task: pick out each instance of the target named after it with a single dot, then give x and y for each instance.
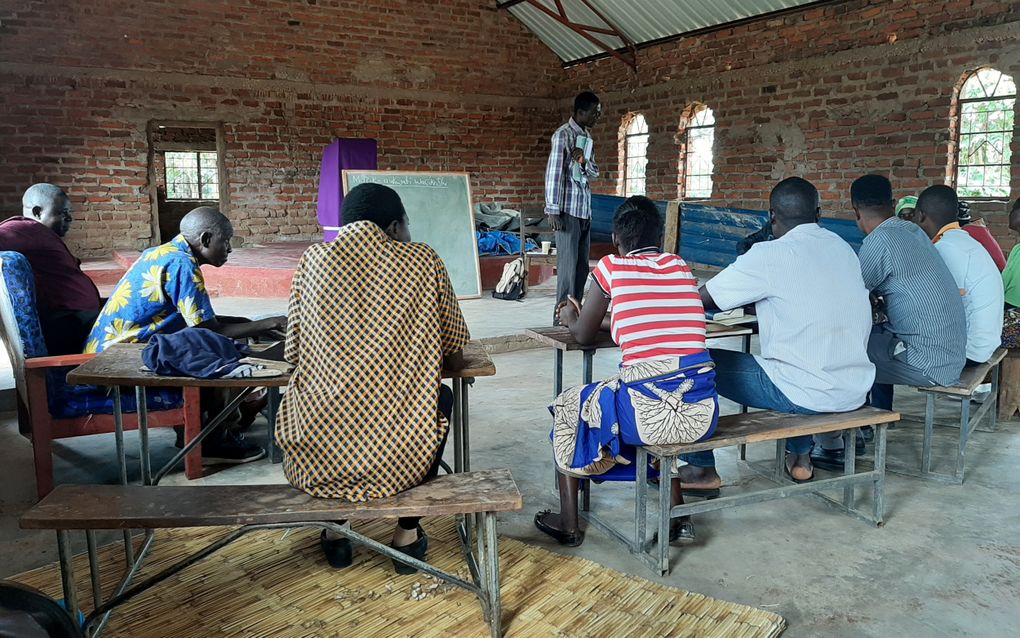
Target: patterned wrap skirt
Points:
(662, 402)
(1011, 328)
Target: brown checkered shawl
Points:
(369, 322)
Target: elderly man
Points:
(164, 291)
(373, 320)
(67, 300)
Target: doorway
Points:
(185, 172)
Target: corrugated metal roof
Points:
(639, 20)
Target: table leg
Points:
(118, 434)
(587, 365)
(67, 574)
(274, 405)
(206, 431)
(458, 459)
(465, 424)
(143, 434)
(558, 373)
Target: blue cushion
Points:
(21, 288)
(65, 401)
(69, 401)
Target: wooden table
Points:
(561, 340)
(121, 365)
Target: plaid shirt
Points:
(563, 195)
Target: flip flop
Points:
(786, 468)
(563, 538)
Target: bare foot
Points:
(699, 478)
(799, 466)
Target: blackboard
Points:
(439, 210)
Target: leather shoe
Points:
(417, 549)
(339, 552)
(563, 538)
(833, 459)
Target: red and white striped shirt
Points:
(657, 311)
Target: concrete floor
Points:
(947, 562)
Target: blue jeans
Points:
(739, 378)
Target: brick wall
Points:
(829, 94)
(448, 85)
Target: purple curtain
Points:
(343, 154)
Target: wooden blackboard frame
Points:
(471, 211)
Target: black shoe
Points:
(868, 432)
(563, 538)
(230, 449)
(417, 549)
(833, 459)
(682, 533)
(339, 552)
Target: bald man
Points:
(164, 291)
(814, 317)
(973, 270)
(66, 299)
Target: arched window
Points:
(986, 115)
(697, 161)
(634, 150)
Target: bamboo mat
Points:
(276, 584)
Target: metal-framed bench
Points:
(478, 495)
(739, 430)
(970, 379)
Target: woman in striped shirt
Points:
(665, 392)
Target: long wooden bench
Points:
(964, 391)
(475, 495)
(740, 430)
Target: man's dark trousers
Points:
(573, 243)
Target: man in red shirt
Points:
(979, 231)
(67, 300)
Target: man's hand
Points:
(554, 222)
(578, 156)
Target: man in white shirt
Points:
(814, 317)
(973, 269)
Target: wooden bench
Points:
(476, 495)
(970, 379)
(739, 430)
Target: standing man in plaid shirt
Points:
(568, 194)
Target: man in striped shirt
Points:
(924, 340)
(814, 317)
(568, 194)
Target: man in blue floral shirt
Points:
(164, 291)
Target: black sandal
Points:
(563, 538)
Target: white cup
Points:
(546, 247)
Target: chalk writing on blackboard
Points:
(414, 181)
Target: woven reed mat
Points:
(277, 584)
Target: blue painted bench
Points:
(709, 234)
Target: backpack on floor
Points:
(513, 285)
